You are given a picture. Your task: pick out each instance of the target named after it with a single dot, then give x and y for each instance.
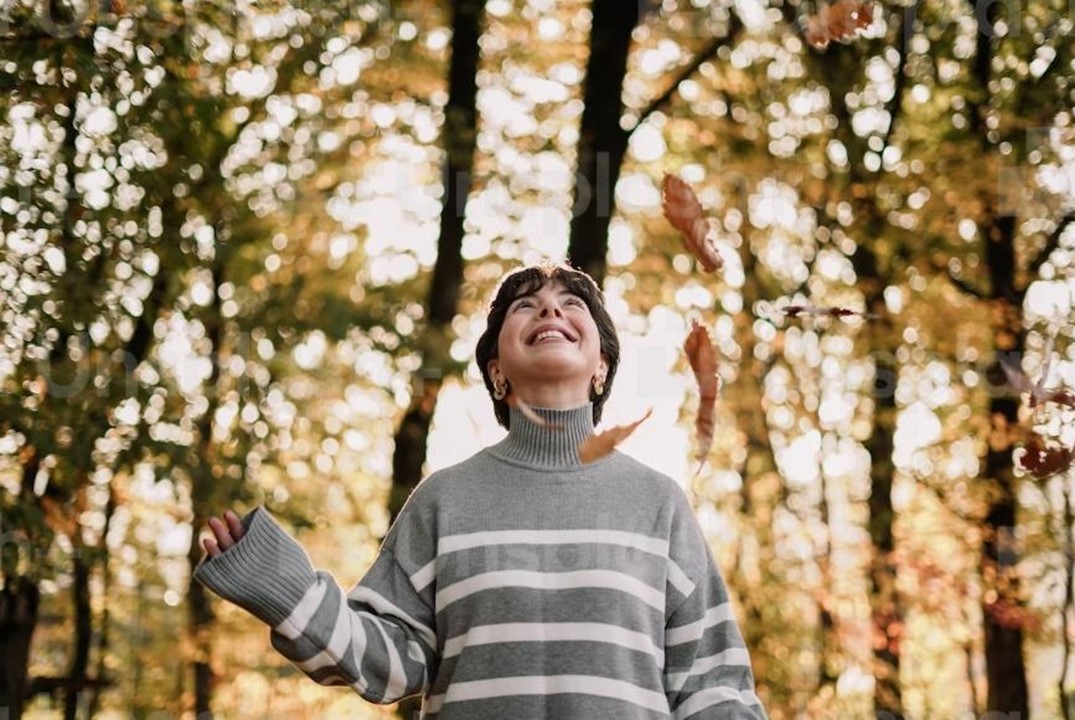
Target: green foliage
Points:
(215, 238)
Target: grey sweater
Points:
(518, 584)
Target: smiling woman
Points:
(521, 582)
(549, 340)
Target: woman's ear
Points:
(602, 366)
(493, 370)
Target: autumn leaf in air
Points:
(1036, 390)
(1044, 460)
(841, 20)
(684, 212)
(703, 359)
(601, 444)
(823, 311)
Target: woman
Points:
(520, 583)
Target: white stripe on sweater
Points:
(713, 696)
(595, 536)
(382, 606)
(553, 632)
(296, 622)
(346, 630)
(679, 579)
(549, 685)
(693, 632)
(505, 579)
(737, 657)
(396, 683)
(585, 536)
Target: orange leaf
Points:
(601, 444)
(703, 358)
(684, 212)
(528, 411)
(841, 20)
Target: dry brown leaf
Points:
(842, 20)
(823, 311)
(1043, 461)
(1062, 397)
(528, 411)
(703, 359)
(684, 212)
(601, 444)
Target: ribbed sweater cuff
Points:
(266, 573)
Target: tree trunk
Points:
(760, 492)
(602, 142)
(886, 607)
(1004, 665)
(80, 659)
(105, 622)
(460, 141)
(19, 603)
(203, 499)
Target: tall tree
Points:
(459, 139)
(602, 141)
(999, 122)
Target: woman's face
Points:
(549, 348)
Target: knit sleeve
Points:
(707, 665)
(378, 638)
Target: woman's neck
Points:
(554, 396)
(547, 447)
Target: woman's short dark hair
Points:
(527, 281)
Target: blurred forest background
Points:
(244, 250)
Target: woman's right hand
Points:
(227, 532)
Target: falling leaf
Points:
(823, 311)
(1043, 461)
(1038, 394)
(601, 444)
(1062, 397)
(684, 212)
(842, 20)
(528, 411)
(703, 359)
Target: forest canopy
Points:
(245, 251)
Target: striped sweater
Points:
(518, 584)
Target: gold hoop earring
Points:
(499, 391)
(598, 386)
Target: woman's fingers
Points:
(222, 533)
(234, 525)
(226, 532)
(211, 548)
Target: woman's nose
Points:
(551, 306)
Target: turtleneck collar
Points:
(543, 448)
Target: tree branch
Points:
(1051, 244)
(735, 26)
(966, 287)
(27, 37)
